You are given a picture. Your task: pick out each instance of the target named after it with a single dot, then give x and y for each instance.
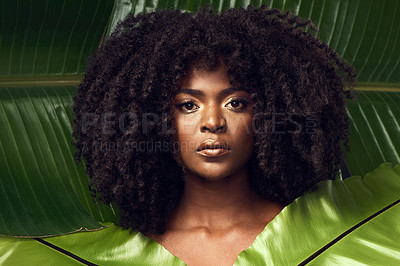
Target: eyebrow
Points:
(201, 93)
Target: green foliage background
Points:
(44, 47)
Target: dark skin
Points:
(218, 215)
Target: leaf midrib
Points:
(347, 232)
(39, 80)
(65, 252)
(75, 79)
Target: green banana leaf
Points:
(44, 46)
(345, 222)
(48, 38)
(375, 130)
(42, 196)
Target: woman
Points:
(205, 126)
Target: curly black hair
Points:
(297, 85)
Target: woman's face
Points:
(214, 124)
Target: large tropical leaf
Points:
(314, 226)
(49, 37)
(375, 130)
(348, 222)
(39, 178)
(19, 251)
(44, 46)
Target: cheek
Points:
(244, 135)
(241, 126)
(186, 126)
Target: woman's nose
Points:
(213, 121)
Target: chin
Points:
(213, 177)
(214, 172)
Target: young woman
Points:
(201, 128)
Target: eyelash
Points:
(243, 102)
(182, 104)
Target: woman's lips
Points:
(213, 153)
(213, 148)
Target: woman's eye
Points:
(237, 104)
(187, 106)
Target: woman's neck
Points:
(218, 204)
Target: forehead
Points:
(201, 79)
